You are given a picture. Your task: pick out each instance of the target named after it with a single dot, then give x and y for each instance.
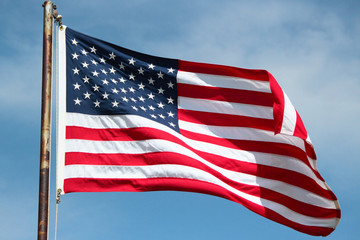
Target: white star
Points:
(77, 101)
(151, 81)
(104, 71)
(112, 56)
(125, 99)
(77, 86)
(170, 100)
(133, 99)
(131, 89)
(141, 99)
(151, 108)
(112, 70)
(105, 82)
(97, 103)
(102, 60)
(105, 96)
(95, 73)
(132, 61)
(114, 90)
(135, 108)
(85, 64)
(172, 124)
(160, 75)
(76, 71)
(84, 52)
(141, 71)
(122, 80)
(93, 49)
(162, 116)
(143, 108)
(123, 90)
(171, 70)
(96, 88)
(151, 66)
(160, 105)
(94, 62)
(132, 77)
(121, 66)
(74, 42)
(151, 96)
(114, 81)
(161, 90)
(87, 95)
(153, 116)
(86, 79)
(115, 103)
(170, 114)
(141, 86)
(170, 85)
(75, 56)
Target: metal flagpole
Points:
(45, 144)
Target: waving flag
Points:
(134, 122)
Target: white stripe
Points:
(241, 133)
(112, 121)
(131, 121)
(289, 120)
(209, 80)
(266, 159)
(312, 163)
(178, 171)
(60, 107)
(158, 145)
(214, 106)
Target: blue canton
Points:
(104, 79)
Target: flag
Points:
(128, 121)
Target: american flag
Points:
(128, 121)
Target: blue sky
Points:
(311, 47)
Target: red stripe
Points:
(279, 104)
(130, 134)
(214, 69)
(310, 150)
(267, 172)
(225, 94)
(297, 206)
(175, 184)
(116, 134)
(155, 158)
(255, 146)
(264, 193)
(221, 119)
(113, 134)
(300, 130)
(251, 146)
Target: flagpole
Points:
(45, 144)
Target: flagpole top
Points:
(57, 16)
(47, 2)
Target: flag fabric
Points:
(128, 121)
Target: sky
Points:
(311, 47)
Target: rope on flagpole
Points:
(58, 22)
(58, 193)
